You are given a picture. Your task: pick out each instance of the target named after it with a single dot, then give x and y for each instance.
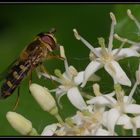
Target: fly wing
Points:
(6, 71)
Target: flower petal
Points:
(117, 73)
(49, 130)
(132, 108)
(92, 67)
(134, 122)
(137, 121)
(60, 92)
(128, 125)
(102, 100)
(126, 52)
(104, 121)
(135, 47)
(112, 118)
(79, 78)
(102, 132)
(125, 100)
(58, 97)
(94, 77)
(76, 99)
(124, 119)
(77, 119)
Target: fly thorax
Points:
(45, 50)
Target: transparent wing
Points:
(5, 72)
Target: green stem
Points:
(58, 117)
(54, 112)
(33, 132)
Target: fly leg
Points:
(30, 77)
(42, 69)
(54, 56)
(17, 99)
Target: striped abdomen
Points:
(14, 77)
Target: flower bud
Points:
(43, 97)
(20, 123)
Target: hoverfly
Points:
(30, 58)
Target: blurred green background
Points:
(19, 24)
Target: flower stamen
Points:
(96, 90)
(110, 44)
(132, 17)
(120, 95)
(120, 48)
(62, 53)
(125, 40)
(78, 37)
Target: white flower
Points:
(49, 130)
(82, 124)
(118, 108)
(107, 58)
(20, 123)
(100, 99)
(99, 114)
(103, 100)
(130, 123)
(69, 82)
(102, 132)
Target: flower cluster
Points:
(97, 113)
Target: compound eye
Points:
(49, 40)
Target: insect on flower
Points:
(31, 57)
